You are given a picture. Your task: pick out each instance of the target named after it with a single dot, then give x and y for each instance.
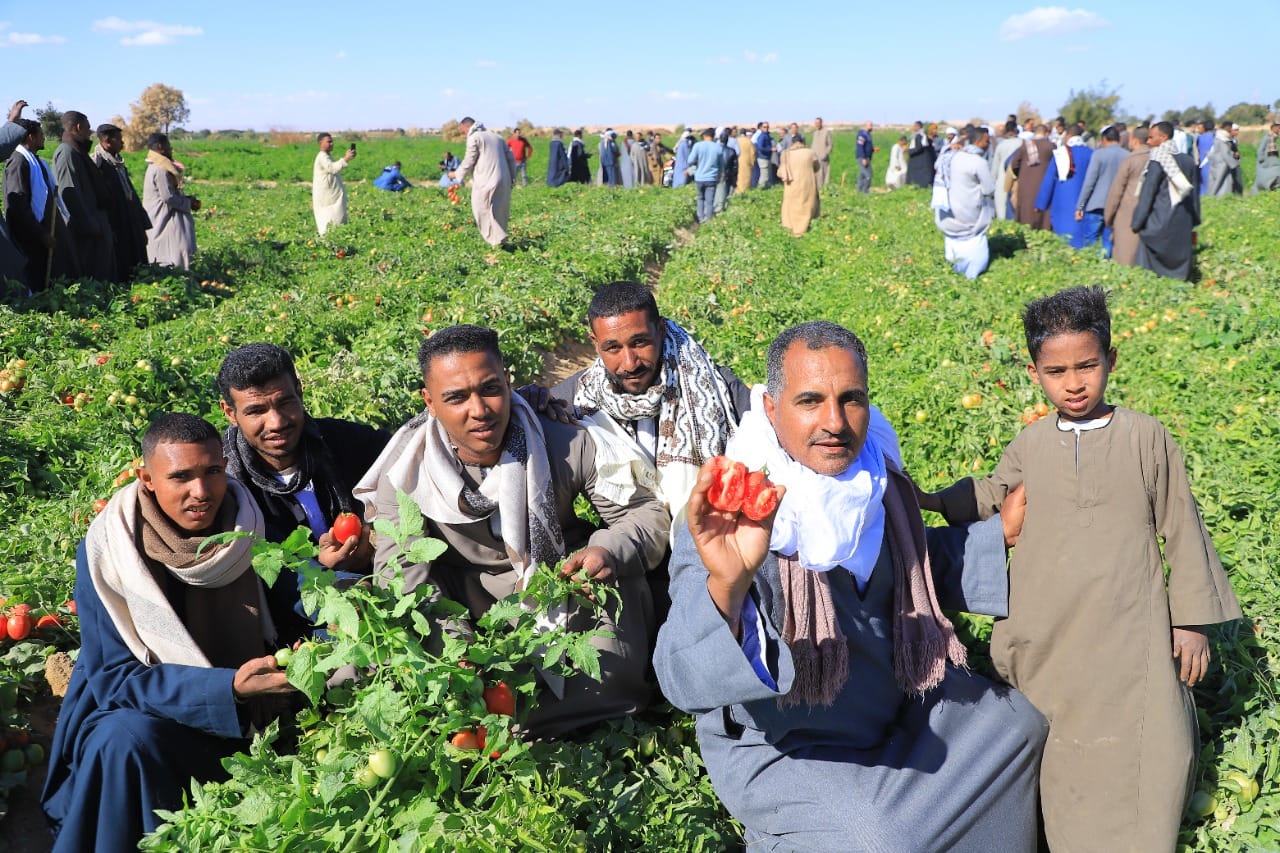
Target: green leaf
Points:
(410, 516)
(425, 550)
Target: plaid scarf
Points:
(690, 400)
(1032, 152)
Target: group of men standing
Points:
(175, 664)
(81, 216)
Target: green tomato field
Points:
(84, 367)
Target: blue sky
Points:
(381, 63)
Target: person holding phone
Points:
(328, 194)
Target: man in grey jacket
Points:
(970, 206)
(833, 710)
(1104, 165)
(497, 483)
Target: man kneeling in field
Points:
(833, 712)
(496, 483)
(174, 665)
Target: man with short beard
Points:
(129, 222)
(300, 470)
(174, 666)
(86, 199)
(497, 484)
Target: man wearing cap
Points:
(129, 221)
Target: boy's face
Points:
(1072, 369)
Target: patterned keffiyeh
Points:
(1162, 155)
(689, 399)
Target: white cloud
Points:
(769, 57)
(679, 96)
(486, 63)
(12, 39)
(1050, 21)
(450, 93)
(750, 55)
(340, 55)
(145, 33)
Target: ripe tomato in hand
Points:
(19, 626)
(761, 498)
(345, 526)
(499, 699)
(729, 486)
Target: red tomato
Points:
(19, 626)
(20, 608)
(49, 620)
(99, 505)
(499, 699)
(71, 606)
(761, 498)
(467, 739)
(345, 526)
(729, 486)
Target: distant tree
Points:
(451, 131)
(159, 109)
(1096, 106)
(1026, 111)
(1246, 114)
(50, 118)
(525, 127)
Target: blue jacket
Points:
(764, 145)
(391, 180)
(866, 148)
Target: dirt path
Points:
(572, 356)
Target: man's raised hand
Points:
(731, 546)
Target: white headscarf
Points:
(825, 521)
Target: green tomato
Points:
(35, 754)
(1202, 804)
(648, 745)
(384, 763)
(321, 755)
(366, 778)
(283, 656)
(8, 695)
(13, 761)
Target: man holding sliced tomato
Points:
(496, 483)
(287, 461)
(174, 665)
(834, 709)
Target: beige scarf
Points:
(128, 534)
(420, 461)
(1162, 155)
(175, 177)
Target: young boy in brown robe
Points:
(1095, 638)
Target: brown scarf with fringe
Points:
(923, 637)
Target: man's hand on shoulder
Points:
(540, 400)
(259, 677)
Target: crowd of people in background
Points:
(80, 215)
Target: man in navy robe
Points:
(833, 709)
(557, 160)
(174, 666)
